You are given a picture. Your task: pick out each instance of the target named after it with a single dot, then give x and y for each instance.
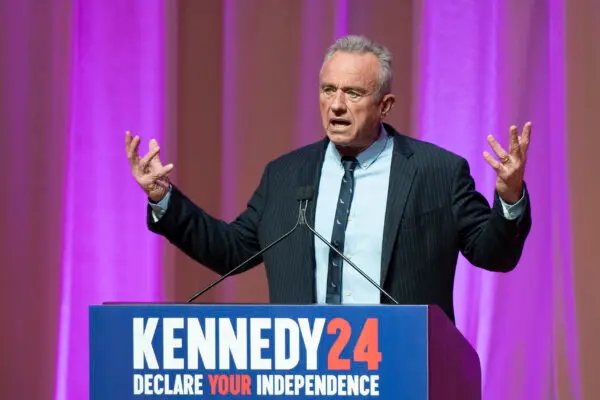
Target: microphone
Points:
(304, 193)
(308, 192)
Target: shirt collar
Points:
(367, 157)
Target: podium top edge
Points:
(124, 303)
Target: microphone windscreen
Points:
(305, 193)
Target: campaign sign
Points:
(258, 351)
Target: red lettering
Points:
(229, 384)
(212, 380)
(246, 384)
(334, 362)
(366, 349)
(223, 384)
(367, 346)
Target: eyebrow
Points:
(345, 88)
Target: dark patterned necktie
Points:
(334, 274)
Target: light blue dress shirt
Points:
(364, 233)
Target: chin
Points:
(341, 138)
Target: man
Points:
(399, 208)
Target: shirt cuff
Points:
(513, 211)
(159, 209)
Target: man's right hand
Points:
(148, 171)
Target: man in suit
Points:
(399, 208)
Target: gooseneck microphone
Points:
(308, 192)
(301, 195)
(304, 195)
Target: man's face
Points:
(350, 111)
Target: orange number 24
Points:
(366, 348)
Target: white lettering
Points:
(259, 343)
(142, 343)
(202, 342)
(159, 384)
(170, 343)
(284, 327)
(138, 384)
(317, 385)
(269, 342)
(230, 343)
(311, 340)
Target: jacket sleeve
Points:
(487, 238)
(214, 243)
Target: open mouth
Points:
(339, 122)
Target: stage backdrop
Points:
(225, 86)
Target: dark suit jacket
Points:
(433, 212)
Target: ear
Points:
(387, 102)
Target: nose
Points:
(338, 105)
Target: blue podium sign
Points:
(258, 351)
(278, 352)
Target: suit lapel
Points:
(310, 175)
(402, 174)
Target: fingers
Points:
(515, 161)
(500, 152)
(166, 169)
(492, 161)
(131, 148)
(524, 139)
(148, 157)
(140, 165)
(153, 145)
(514, 140)
(163, 171)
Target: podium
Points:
(215, 351)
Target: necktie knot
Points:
(349, 163)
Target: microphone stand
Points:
(303, 221)
(305, 193)
(200, 293)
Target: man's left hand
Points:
(511, 167)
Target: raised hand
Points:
(511, 167)
(148, 171)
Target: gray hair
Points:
(362, 44)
